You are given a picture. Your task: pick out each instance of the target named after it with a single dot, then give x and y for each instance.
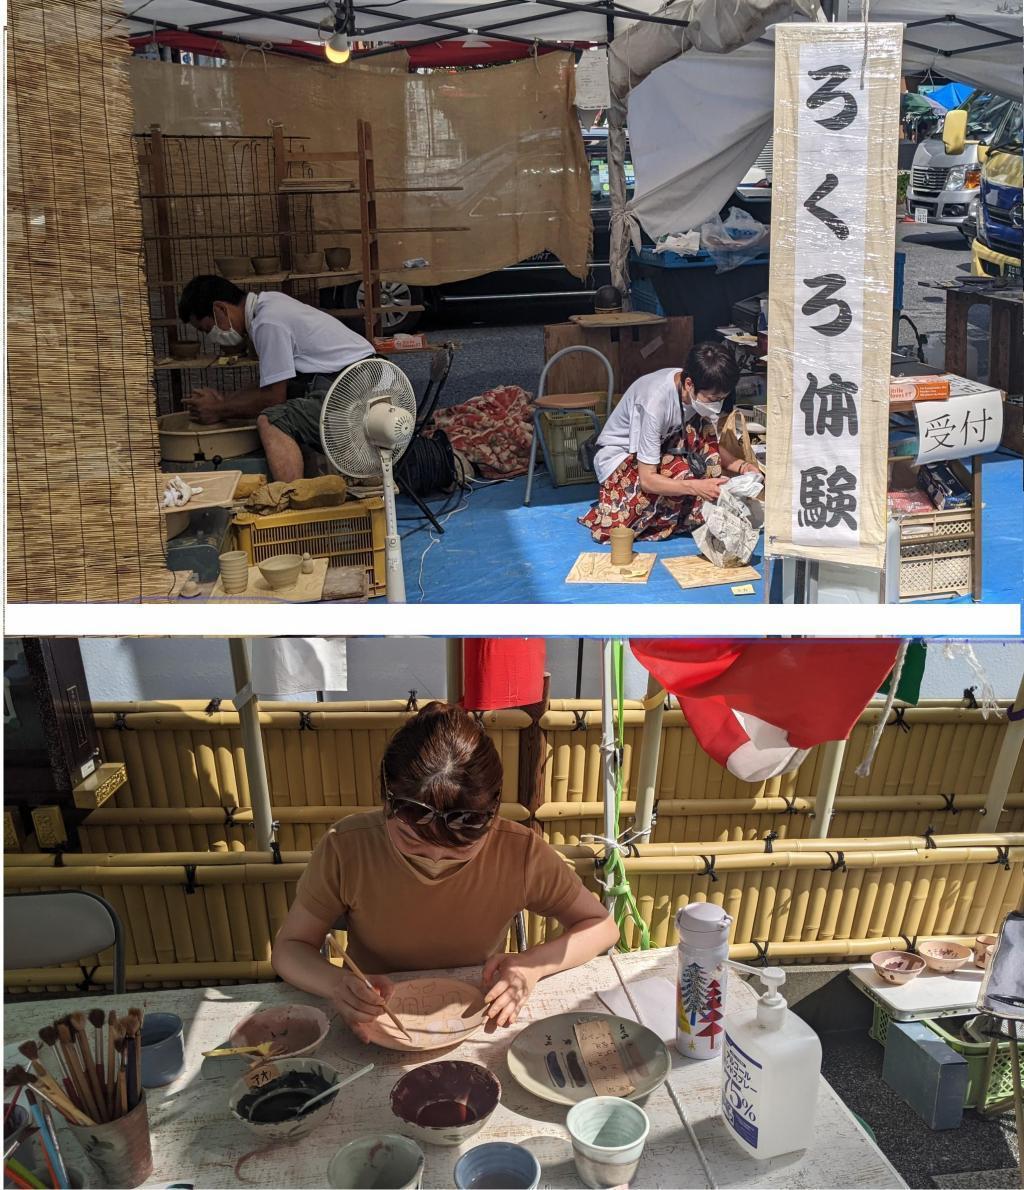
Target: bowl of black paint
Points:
(270, 1098)
(445, 1103)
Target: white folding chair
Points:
(45, 929)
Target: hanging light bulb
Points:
(338, 49)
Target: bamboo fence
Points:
(83, 481)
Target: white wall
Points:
(130, 669)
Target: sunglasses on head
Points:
(461, 824)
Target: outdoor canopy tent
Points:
(686, 168)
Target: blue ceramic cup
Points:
(163, 1048)
(497, 1163)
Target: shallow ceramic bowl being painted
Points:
(896, 966)
(234, 266)
(266, 264)
(281, 571)
(435, 1012)
(269, 1110)
(944, 956)
(298, 1030)
(445, 1103)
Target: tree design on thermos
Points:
(693, 992)
(710, 1018)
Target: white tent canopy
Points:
(697, 124)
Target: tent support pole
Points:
(650, 750)
(1006, 763)
(248, 709)
(455, 681)
(824, 799)
(608, 750)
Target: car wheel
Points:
(394, 295)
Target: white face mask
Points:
(709, 409)
(228, 338)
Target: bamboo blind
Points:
(82, 460)
(195, 916)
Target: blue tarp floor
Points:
(494, 550)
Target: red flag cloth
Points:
(502, 672)
(756, 706)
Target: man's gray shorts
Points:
(299, 415)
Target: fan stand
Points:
(392, 544)
(423, 507)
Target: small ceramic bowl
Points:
(896, 966)
(266, 264)
(282, 570)
(269, 1109)
(445, 1103)
(497, 1163)
(299, 1029)
(309, 262)
(234, 266)
(339, 258)
(184, 349)
(944, 956)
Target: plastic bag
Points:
(732, 525)
(732, 243)
(682, 243)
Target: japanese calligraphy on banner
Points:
(830, 307)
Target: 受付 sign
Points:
(969, 423)
(830, 309)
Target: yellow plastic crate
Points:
(351, 535)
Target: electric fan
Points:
(366, 422)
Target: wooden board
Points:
(218, 490)
(594, 567)
(631, 351)
(617, 318)
(696, 571)
(308, 589)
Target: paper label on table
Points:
(966, 425)
(745, 589)
(259, 1076)
(655, 1000)
(602, 1059)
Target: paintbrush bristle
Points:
(30, 1050)
(18, 1076)
(48, 1035)
(78, 1020)
(96, 1018)
(131, 1026)
(64, 1033)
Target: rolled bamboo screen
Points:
(196, 916)
(83, 488)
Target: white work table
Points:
(930, 994)
(196, 1140)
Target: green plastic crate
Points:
(1000, 1087)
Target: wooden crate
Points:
(936, 553)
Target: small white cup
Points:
(608, 1136)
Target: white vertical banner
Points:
(830, 304)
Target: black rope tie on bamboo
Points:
(762, 952)
(790, 805)
(306, 721)
(478, 718)
(412, 702)
(88, 980)
(709, 866)
(1003, 857)
(909, 943)
(969, 700)
(899, 719)
(121, 721)
(769, 839)
(190, 879)
(58, 855)
(948, 800)
(275, 846)
(229, 818)
(580, 718)
(929, 842)
(838, 862)
(1014, 715)
(213, 706)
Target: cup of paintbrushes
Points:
(120, 1149)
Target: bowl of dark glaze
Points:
(445, 1103)
(271, 1108)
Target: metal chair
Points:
(45, 929)
(557, 404)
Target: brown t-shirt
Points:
(401, 920)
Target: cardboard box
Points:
(943, 487)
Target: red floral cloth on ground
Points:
(624, 503)
(494, 431)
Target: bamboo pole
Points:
(608, 750)
(650, 747)
(1006, 763)
(455, 674)
(255, 762)
(831, 764)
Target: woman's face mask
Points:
(224, 336)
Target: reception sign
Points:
(830, 308)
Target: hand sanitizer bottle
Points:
(771, 1062)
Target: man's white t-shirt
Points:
(649, 412)
(291, 337)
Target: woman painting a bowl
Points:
(658, 456)
(432, 881)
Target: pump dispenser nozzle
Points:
(771, 1005)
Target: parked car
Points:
(998, 247)
(944, 186)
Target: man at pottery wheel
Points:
(433, 880)
(301, 351)
(658, 456)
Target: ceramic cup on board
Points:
(389, 1161)
(234, 571)
(622, 546)
(608, 1137)
(163, 1048)
(497, 1163)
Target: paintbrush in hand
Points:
(359, 975)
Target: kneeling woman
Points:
(658, 455)
(433, 881)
